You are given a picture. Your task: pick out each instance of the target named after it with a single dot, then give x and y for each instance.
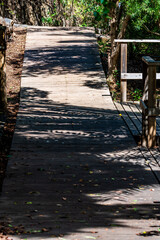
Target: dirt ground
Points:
(14, 63)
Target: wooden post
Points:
(145, 99)
(123, 70)
(3, 93)
(152, 104)
(149, 98)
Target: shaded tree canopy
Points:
(26, 11)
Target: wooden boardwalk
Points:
(75, 171)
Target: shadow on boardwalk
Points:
(78, 53)
(63, 59)
(77, 174)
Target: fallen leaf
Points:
(28, 203)
(45, 230)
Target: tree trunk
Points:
(115, 48)
(72, 14)
(26, 11)
(113, 34)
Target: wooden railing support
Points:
(3, 93)
(149, 99)
(123, 70)
(124, 76)
(144, 102)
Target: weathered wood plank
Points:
(150, 61)
(133, 117)
(156, 156)
(127, 120)
(135, 76)
(137, 41)
(136, 111)
(151, 161)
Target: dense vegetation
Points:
(116, 18)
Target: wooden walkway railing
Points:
(130, 76)
(149, 102)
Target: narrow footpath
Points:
(74, 170)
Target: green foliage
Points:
(97, 13)
(144, 15)
(71, 13)
(103, 46)
(118, 82)
(136, 94)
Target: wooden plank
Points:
(133, 117)
(136, 111)
(123, 70)
(127, 120)
(135, 76)
(151, 161)
(156, 155)
(139, 108)
(137, 41)
(131, 76)
(150, 61)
